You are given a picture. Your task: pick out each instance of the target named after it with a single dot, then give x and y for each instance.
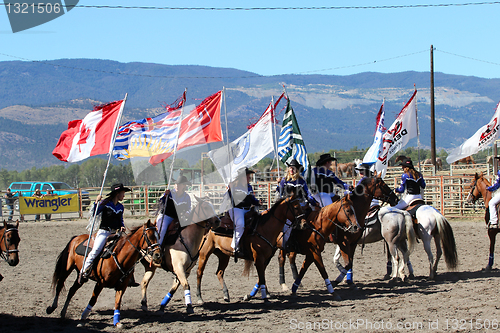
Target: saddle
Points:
(412, 208)
(226, 227)
(370, 219)
(107, 250)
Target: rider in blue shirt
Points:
(492, 205)
(411, 182)
(327, 184)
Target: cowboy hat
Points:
(325, 158)
(365, 167)
(407, 163)
(295, 163)
(183, 180)
(117, 188)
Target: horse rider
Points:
(175, 204)
(241, 198)
(365, 171)
(327, 184)
(495, 199)
(111, 222)
(411, 181)
(290, 184)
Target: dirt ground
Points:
(465, 300)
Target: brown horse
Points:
(114, 272)
(344, 169)
(439, 163)
(346, 238)
(181, 257)
(478, 188)
(465, 160)
(9, 241)
(258, 245)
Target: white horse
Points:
(396, 228)
(431, 224)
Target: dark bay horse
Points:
(114, 272)
(9, 241)
(345, 237)
(181, 257)
(259, 245)
(478, 188)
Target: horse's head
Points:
(475, 188)
(150, 235)
(9, 242)
(345, 217)
(204, 212)
(383, 192)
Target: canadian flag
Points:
(90, 136)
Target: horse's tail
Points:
(410, 232)
(447, 240)
(247, 268)
(61, 264)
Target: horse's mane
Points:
(9, 226)
(265, 217)
(122, 240)
(364, 182)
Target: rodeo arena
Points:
(397, 244)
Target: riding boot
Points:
(132, 283)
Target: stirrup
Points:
(492, 226)
(82, 277)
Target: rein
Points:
(5, 253)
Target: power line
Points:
(465, 57)
(282, 8)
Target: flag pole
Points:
(273, 113)
(111, 145)
(418, 134)
(176, 141)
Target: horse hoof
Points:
(226, 299)
(284, 287)
(189, 309)
(387, 277)
(119, 326)
(336, 297)
(411, 276)
(144, 308)
(80, 325)
(487, 269)
(200, 302)
(266, 300)
(246, 298)
(50, 309)
(161, 309)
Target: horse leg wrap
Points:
(348, 277)
(295, 285)
(166, 299)
(86, 312)
(341, 276)
(187, 296)
(116, 317)
(389, 267)
(329, 286)
(410, 267)
(282, 275)
(263, 291)
(254, 290)
(490, 260)
(295, 273)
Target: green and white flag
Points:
(290, 143)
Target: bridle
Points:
(386, 197)
(472, 189)
(352, 226)
(5, 253)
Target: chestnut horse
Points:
(465, 160)
(478, 188)
(181, 257)
(9, 241)
(113, 272)
(258, 245)
(346, 238)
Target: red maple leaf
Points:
(84, 134)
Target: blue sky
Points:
(269, 42)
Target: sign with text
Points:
(49, 204)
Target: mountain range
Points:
(38, 99)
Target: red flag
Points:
(202, 125)
(89, 136)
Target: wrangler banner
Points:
(49, 205)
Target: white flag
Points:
(245, 151)
(479, 141)
(373, 153)
(397, 136)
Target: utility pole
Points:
(433, 128)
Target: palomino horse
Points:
(181, 257)
(347, 238)
(465, 160)
(395, 227)
(114, 272)
(258, 245)
(9, 241)
(478, 188)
